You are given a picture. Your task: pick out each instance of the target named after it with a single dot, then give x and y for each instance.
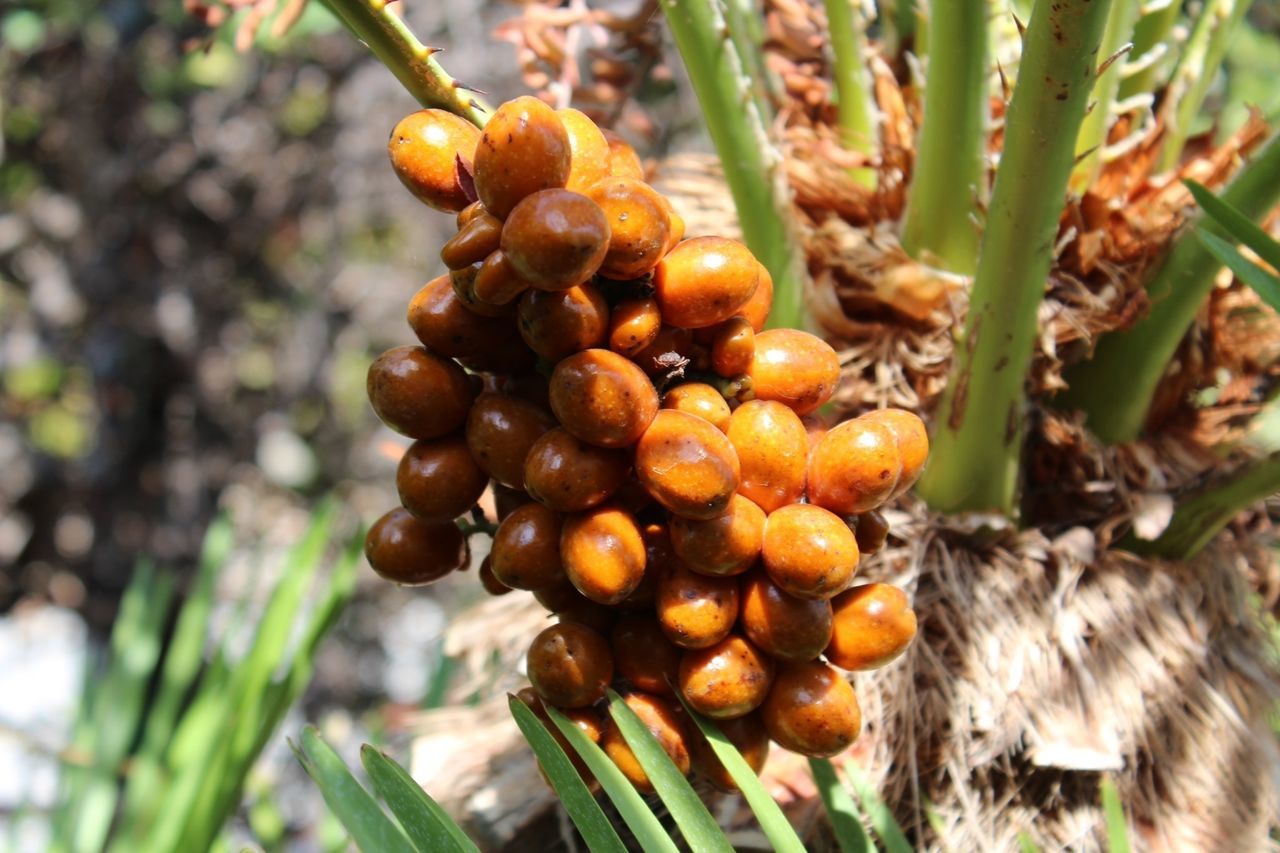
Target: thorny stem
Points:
(856, 110)
(395, 45)
(978, 435)
(1093, 132)
(1200, 515)
(1149, 34)
(752, 167)
(1116, 386)
(939, 226)
(1201, 58)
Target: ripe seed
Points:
(872, 625)
(772, 449)
(687, 465)
(639, 225)
(524, 148)
(410, 552)
(570, 665)
(496, 282)
(501, 429)
(447, 327)
(424, 148)
(705, 281)
(474, 241)
(603, 554)
(624, 162)
(555, 239)
(696, 611)
(749, 737)
(912, 441)
(700, 400)
(568, 475)
(808, 551)
(854, 468)
(726, 545)
(602, 398)
(664, 722)
(438, 480)
(733, 347)
(418, 393)
(526, 549)
(729, 679)
(633, 325)
(795, 368)
(789, 628)
(643, 655)
(556, 325)
(590, 159)
(812, 710)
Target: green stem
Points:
(1116, 386)
(1097, 124)
(1201, 58)
(748, 39)
(1200, 515)
(752, 167)
(395, 45)
(948, 177)
(978, 438)
(856, 110)
(1149, 34)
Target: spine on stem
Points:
(856, 110)
(1097, 124)
(978, 434)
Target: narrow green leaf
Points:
(1026, 844)
(851, 835)
(1263, 283)
(696, 824)
(582, 807)
(773, 822)
(428, 826)
(646, 828)
(1113, 813)
(1236, 223)
(370, 828)
(882, 820)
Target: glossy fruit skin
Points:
(809, 552)
(526, 549)
(748, 735)
(555, 239)
(410, 552)
(643, 655)
(733, 347)
(726, 545)
(757, 308)
(664, 722)
(603, 554)
(854, 468)
(438, 480)
(570, 665)
(773, 450)
(556, 325)
(603, 398)
(469, 213)
(501, 429)
(873, 625)
(727, 680)
(633, 325)
(524, 148)
(786, 627)
(696, 611)
(566, 474)
(418, 393)
(489, 580)
(496, 282)
(447, 327)
(474, 241)
(507, 500)
(700, 400)
(812, 710)
(624, 162)
(705, 281)
(912, 439)
(688, 465)
(795, 368)
(670, 342)
(871, 532)
(424, 148)
(639, 226)
(587, 720)
(463, 282)
(589, 163)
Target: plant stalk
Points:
(1200, 515)
(1097, 123)
(752, 167)
(978, 434)
(1150, 33)
(939, 224)
(747, 32)
(1116, 386)
(856, 108)
(390, 39)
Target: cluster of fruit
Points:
(661, 481)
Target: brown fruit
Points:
(556, 325)
(474, 241)
(733, 347)
(643, 655)
(624, 162)
(501, 429)
(570, 665)
(789, 628)
(704, 281)
(639, 226)
(700, 400)
(463, 282)
(603, 398)
(873, 624)
(808, 551)
(667, 726)
(489, 580)
(424, 150)
(603, 554)
(912, 439)
(871, 532)
(497, 282)
(589, 163)
(507, 500)
(411, 552)
(438, 480)
(524, 148)
(772, 450)
(728, 544)
(447, 327)
(687, 465)
(469, 213)
(727, 680)
(696, 611)
(526, 549)
(854, 468)
(794, 368)
(757, 308)
(812, 710)
(418, 393)
(569, 475)
(747, 734)
(670, 349)
(587, 720)
(633, 325)
(555, 239)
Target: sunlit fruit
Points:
(854, 468)
(780, 624)
(408, 551)
(603, 554)
(872, 625)
(663, 720)
(728, 544)
(557, 324)
(603, 398)
(569, 475)
(704, 281)
(524, 148)
(808, 551)
(687, 464)
(639, 226)
(424, 149)
(748, 736)
(526, 549)
(700, 400)
(643, 655)
(726, 680)
(812, 710)
(795, 368)
(696, 610)
(570, 665)
(418, 393)
(773, 451)
(591, 158)
(555, 239)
